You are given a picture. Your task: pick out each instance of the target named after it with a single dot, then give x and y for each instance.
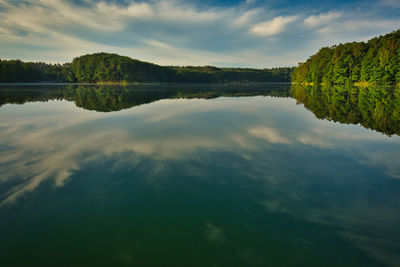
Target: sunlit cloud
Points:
(251, 33)
(272, 27)
(247, 17)
(322, 19)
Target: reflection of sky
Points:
(300, 159)
(59, 136)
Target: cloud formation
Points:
(272, 27)
(322, 19)
(248, 33)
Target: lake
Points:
(199, 175)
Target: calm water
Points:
(199, 175)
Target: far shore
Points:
(126, 83)
(141, 83)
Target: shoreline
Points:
(139, 83)
(357, 84)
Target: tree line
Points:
(376, 61)
(105, 67)
(15, 71)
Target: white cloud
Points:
(159, 44)
(247, 17)
(322, 19)
(134, 10)
(271, 27)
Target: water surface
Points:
(199, 175)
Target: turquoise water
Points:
(199, 175)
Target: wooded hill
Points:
(377, 61)
(105, 67)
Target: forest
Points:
(17, 71)
(105, 68)
(376, 61)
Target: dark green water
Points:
(199, 175)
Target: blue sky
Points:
(252, 33)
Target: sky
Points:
(249, 33)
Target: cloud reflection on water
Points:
(274, 138)
(55, 139)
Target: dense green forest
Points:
(12, 71)
(104, 67)
(374, 107)
(377, 61)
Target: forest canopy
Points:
(377, 61)
(105, 67)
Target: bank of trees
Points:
(12, 71)
(377, 61)
(212, 74)
(105, 67)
